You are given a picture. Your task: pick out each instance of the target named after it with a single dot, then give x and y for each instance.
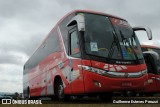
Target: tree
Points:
(16, 95)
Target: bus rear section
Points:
(94, 53)
(153, 66)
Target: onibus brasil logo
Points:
(12, 101)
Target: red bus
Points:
(153, 66)
(87, 53)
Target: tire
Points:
(132, 94)
(80, 97)
(129, 94)
(107, 97)
(124, 94)
(60, 92)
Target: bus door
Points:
(76, 75)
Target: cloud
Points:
(11, 78)
(12, 58)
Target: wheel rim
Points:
(61, 91)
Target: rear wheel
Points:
(132, 94)
(106, 97)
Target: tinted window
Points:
(128, 40)
(74, 44)
(158, 61)
(110, 38)
(98, 35)
(50, 46)
(64, 30)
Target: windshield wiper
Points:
(114, 43)
(122, 36)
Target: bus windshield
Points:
(155, 50)
(110, 38)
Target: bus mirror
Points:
(79, 20)
(152, 53)
(147, 29)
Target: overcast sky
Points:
(25, 23)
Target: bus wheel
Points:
(106, 97)
(61, 95)
(129, 94)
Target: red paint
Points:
(39, 78)
(154, 86)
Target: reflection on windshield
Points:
(128, 40)
(98, 35)
(102, 38)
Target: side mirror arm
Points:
(147, 29)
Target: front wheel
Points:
(61, 95)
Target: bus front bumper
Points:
(95, 83)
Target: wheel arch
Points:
(55, 83)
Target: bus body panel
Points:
(77, 84)
(40, 79)
(153, 78)
(118, 68)
(153, 86)
(110, 84)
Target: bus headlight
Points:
(114, 74)
(95, 70)
(144, 71)
(98, 71)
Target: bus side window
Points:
(74, 45)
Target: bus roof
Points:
(72, 12)
(150, 46)
(95, 12)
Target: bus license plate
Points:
(126, 84)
